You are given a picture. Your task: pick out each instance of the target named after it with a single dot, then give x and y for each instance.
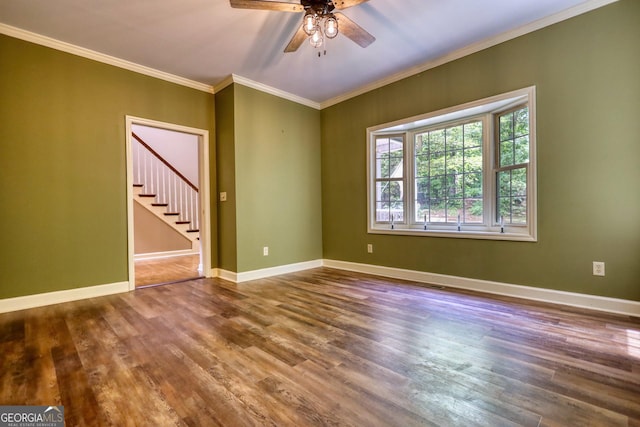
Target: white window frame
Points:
(486, 110)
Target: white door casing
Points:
(204, 193)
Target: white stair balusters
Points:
(159, 177)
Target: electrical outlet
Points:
(370, 248)
(265, 251)
(223, 196)
(598, 268)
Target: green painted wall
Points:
(62, 164)
(63, 219)
(587, 74)
(277, 194)
(226, 168)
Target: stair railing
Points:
(158, 177)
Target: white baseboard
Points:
(167, 254)
(226, 275)
(611, 305)
(56, 297)
(245, 276)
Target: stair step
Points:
(172, 213)
(160, 204)
(183, 222)
(147, 195)
(193, 231)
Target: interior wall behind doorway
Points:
(153, 235)
(179, 148)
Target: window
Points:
(448, 174)
(389, 179)
(511, 168)
(467, 171)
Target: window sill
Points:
(508, 235)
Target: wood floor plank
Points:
(166, 270)
(13, 381)
(322, 347)
(365, 406)
(77, 396)
(295, 392)
(593, 392)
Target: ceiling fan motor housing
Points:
(320, 7)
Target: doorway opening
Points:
(168, 203)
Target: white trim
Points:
(57, 297)
(101, 57)
(224, 83)
(205, 203)
(267, 89)
(141, 69)
(162, 255)
(262, 273)
(593, 302)
(454, 234)
(455, 113)
(227, 275)
(275, 271)
(472, 48)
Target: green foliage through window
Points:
(511, 174)
(389, 177)
(448, 174)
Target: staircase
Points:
(164, 191)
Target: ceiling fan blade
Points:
(343, 4)
(267, 5)
(354, 31)
(296, 41)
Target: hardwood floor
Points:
(321, 347)
(167, 270)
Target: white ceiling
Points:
(207, 41)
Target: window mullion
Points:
(410, 177)
(512, 167)
(489, 182)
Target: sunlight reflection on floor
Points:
(633, 343)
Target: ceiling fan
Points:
(319, 20)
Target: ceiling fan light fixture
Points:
(331, 26)
(316, 38)
(310, 22)
(318, 20)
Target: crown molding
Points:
(101, 57)
(473, 48)
(234, 78)
(224, 83)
